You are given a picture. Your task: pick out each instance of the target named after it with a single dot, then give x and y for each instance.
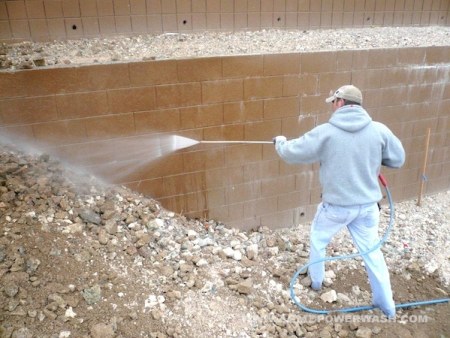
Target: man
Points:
(350, 148)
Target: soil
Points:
(81, 259)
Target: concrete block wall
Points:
(118, 120)
(46, 20)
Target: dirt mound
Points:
(82, 259)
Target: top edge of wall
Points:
(429, 55)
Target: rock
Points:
(92, 295)
(49, 313)
(201, 262)
(102, 330)
(143, 239)
(354, 325)
(2, 254)
(155, 224)
(11, 289)
(376, 330)
(131, 250)
(154, 300)
(341, 297)
(325, 333)
(166, 270)
(306, 281)
(61, 303)
(273, 251)
(90, 216)
(103, 236)
(237, 255)
(39, 62)
(245, 287)
(173, 295)
(252, 251)
(186, 268)
(202, 242)
(355, 290)
(229, 252)
(22, 333)
(330, 274)
(18, 265)
(31, 314)
(8, 196)
(431, 266)
(304, 254)
(363, 332)
(329, 296)
(70, 313)
(110, 224)
(156, 314)
(75, 228)
(344, 333)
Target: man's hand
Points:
(278, 139)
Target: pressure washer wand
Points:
(237, 142)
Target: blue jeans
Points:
(362, 223)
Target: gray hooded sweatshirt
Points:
(350, 149)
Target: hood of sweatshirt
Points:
(350, 118)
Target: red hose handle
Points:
(382, 180)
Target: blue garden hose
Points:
(378, 245)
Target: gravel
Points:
(82, 259)
(26, 55)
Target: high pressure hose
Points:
(378, 245)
